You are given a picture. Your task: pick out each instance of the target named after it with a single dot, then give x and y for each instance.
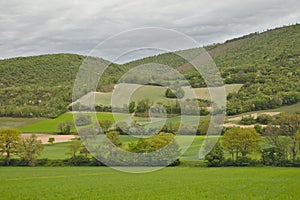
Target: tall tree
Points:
(290, 126)
(238, 140)
(65, 127)
(276, 143)
(75, 147)
(9, 142)
(105, 125)
(142, 108)
(30, 149)
(249, 141)
(231, 142)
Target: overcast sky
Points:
(34, 27)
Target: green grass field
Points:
(56, 151)
(169, 183)
(50, 125)
(8, 122)
(41, 125)
(288, 109)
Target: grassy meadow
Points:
(157, 94)
(168, 183)
(50, 125)
(9, 122)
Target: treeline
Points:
(107, 152)
(143, 107)
(279, 146)
(134, 128)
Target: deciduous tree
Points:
(290, 126)
(238, 140)
(9, 142)
(30, 149)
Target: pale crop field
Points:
(157, 94)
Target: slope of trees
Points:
(41, 86)
(266, 63)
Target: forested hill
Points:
(266, 63)
(42, 85)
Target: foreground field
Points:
(169, 183)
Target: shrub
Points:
(264, 119)
(175, 93)
(274, 157)
(105, 124)
(65, 127)
(79, 161)
(259, 129)
(247, 120)
(83, 120)
(215, 157)
(241, 162)
(51, 140)
(203, 127)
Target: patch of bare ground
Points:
(45, 137)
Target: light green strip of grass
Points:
(50, 125)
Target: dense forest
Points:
(41, 86)
(266, 63)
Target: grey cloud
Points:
(37, 26)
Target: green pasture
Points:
(169, 183)
(50, 125)
(9, 122)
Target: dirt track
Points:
(58, 138)
(227, 125)
(254, 115)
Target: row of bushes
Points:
(74, 161)
(260, 119)
(84, 161)
(249, 162)
(144, 106)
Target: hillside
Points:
(267, 64)
(41, 86)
